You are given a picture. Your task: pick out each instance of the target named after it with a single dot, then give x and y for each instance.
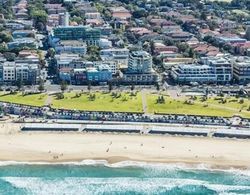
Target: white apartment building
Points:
(241, 68)
(185, 73)
(140, 62)
(11, 72)
(113, 66)
(8, 72)
(119, 55)
(222, 67)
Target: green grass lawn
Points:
(172, 106)
(102, 102)
(32, 100)
(231, 102)
(125, 102)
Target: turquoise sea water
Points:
(122, 178)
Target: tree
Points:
(110, 86)
(94, 53)
(160, 100)
(6, 8)
(131, 37)
(3, 47)
(92, 97)
(5, 37)
(203, 16)
(10, 56)
(132, 87)
(41, 85)
(157, 86)
(139, 13)
(59, 96)
(77, 19)
(64, 86)
(191, 53)
(51, 53)
(19, 84)
(182, 47)
(89, 86)
(40, 17)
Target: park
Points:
(134, 102)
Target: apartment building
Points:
(85, 33)
(211, 70)
(222, 67)
(11, 72)
(140, 69)
(241, 68)
(140, 62)
(76, 47)
(186, 73)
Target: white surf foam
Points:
(78, 185)
(123, 164)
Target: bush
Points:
(59, 96)
(92, 97)
(241, 101)
(160, 100)
(78, 95)
(189, 102)
(124, 99)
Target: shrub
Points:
(241, 101)
(59, 96)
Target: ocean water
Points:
(129, 178)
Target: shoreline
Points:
(133, 163)
(68, 147)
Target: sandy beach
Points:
(73, 146)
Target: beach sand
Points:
(73, 146)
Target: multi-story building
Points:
(248, 33)
(80, 76)
(105, 44)
(186, 73)
(14, 26)
(241, 68)
(102, 74)
(112, 64)
(23, 33)
(222, 68)
(11, 72)
(140, 69)
(64, 60)
(181, 36)
(85, 33)
(140, 62)
(212, 70)
(18, 24)
(120, 13)
(114, 52)
(54, 8)
(63, 19)
(140, 78)
(93, 15)
(230, 40)
(119, 55)
(23, 42)
(77, 47)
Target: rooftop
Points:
(140, 54)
